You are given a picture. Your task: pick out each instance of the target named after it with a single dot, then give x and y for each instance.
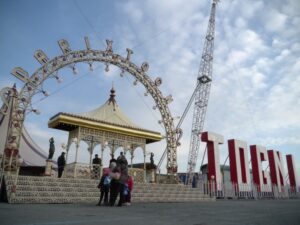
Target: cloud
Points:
(134, 12)
(244, 102)
(275, 21)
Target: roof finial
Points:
(112, 97)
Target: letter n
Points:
(276, 169)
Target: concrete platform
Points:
(220, 212)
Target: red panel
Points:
(232, 160)
(243, 165)
(211, 160)
(290, 167)
(254, 161)
(204, 137)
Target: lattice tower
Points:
(202, 93)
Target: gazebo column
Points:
(131, 158)
(112, 151)
(76, 156)
(101, 165)
(90, 150)
(145, 172)
(131, 150)
(67, 148)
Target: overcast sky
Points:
(255, 89)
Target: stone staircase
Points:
(31, 189)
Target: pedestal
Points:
(152, 175)
(48, 167)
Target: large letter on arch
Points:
(258, 155)
(213, 140)
(276, 169)
(238, 156)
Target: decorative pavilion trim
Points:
(69, 122)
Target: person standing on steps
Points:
(128, 190)
(104, 186)
(112, 162)
(96, 166)
(61, 162)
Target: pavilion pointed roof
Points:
(107, 117)
(110, 112)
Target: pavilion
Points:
(106, 125)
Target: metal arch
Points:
(49, 69)
(5, 94)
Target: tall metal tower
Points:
(202, 92)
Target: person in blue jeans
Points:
(104, 186)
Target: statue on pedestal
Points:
(51, 148)
(152, 158)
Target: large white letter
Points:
(213, 140)
(238, 157)
(276, 169)
(258, 155)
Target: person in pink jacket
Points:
(128, 189)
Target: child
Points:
(128, 189)
(104, 187)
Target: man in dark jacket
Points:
(97, 160)
(61, 162)
(96, 166)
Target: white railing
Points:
(246, 191)
(77, 170)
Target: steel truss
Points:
(202, 93)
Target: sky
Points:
(255, 88)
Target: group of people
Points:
(115, 182)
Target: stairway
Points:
(31, 189)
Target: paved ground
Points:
(243, 212)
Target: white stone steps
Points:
(54, 199)
(66, 190)
(96, 194)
